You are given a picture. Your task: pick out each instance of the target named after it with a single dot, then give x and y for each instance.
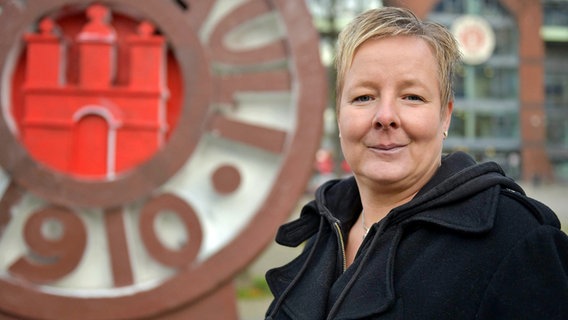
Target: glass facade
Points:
(485, 121)
(555, 34)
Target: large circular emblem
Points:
(149, 149)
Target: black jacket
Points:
(470, 245)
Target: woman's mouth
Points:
(387, 148)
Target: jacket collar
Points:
(336, 201)
(457, 179)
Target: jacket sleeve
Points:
(532, 281)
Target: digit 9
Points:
(56, 239)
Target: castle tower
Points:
(147, 59)
(147, 74)
(45, 57)
(97, 43)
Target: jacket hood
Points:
(458, 178)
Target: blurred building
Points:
(511, 106)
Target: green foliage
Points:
(252, 288)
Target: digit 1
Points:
(118, 248)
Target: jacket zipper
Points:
(341, 245)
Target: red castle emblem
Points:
(95, 126)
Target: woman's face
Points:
(390, 115)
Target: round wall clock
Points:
(149, 149)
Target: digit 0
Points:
(173, 257)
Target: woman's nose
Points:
(386, 115)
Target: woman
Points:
(414, 234)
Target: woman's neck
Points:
(378, 200)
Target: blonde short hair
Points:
(390, 22)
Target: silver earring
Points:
(445, 133)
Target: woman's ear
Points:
(447, 116)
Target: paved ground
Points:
(555, 196)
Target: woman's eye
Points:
(412, 97)
(366, 98)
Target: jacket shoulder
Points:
(541, 212)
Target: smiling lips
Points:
(387, 147)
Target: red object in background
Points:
(324, 161)
(91, 124)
